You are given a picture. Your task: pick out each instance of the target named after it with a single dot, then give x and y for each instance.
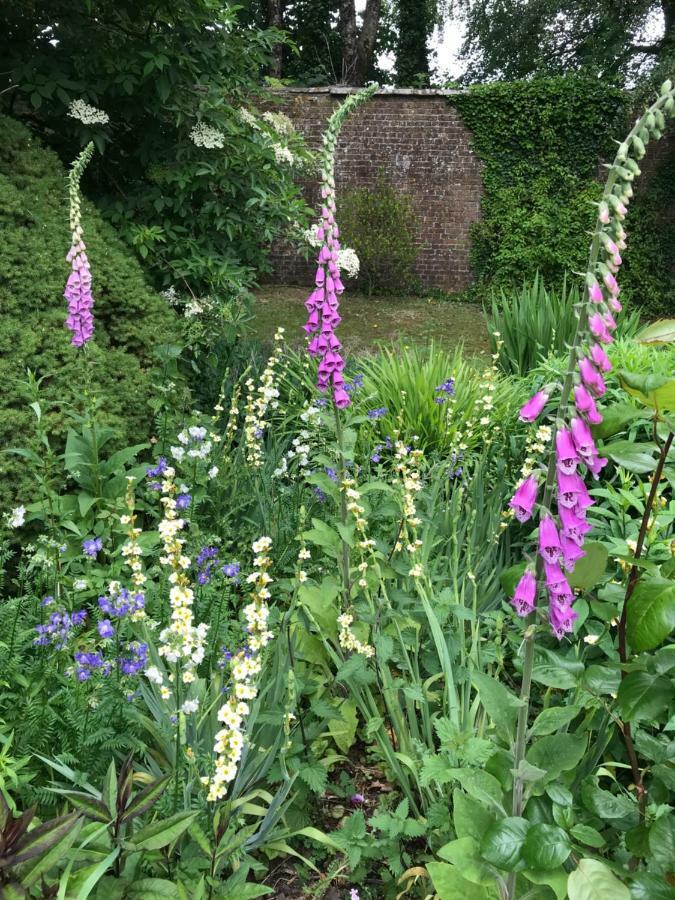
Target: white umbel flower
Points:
(87, 114)
(203, 135)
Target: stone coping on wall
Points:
(342, 89)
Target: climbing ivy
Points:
(541, 143)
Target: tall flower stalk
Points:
(80, 319)
(562, 511)
(323, 305)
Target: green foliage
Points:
(199, 215)
(131, 320)
(379, 223)
(541, 142)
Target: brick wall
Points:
(419, 140)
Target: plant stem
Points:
(633, 579)
(344, 556)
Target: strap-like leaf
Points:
(161, 832)
(144, 800)
(90, 806)
(41, 839)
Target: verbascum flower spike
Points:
(80, 319)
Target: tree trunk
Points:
(275, 19)
(358, 47)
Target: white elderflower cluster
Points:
(171, 295)
(181, 643)
(280, 123)
(258, 402)
(197, 306)
(245, 667)
(248, 118)
(283, 155)
(87, 114)
(203, 135)
(348, 262)
(347, 638)
(16, 517)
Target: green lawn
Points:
(369, 320)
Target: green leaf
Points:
(557, 881)
(503, 841)
(651, 614)
(463, 853)
(632, 456)
(499, 702)
(557, 753)
(662, 843)
(606, 805)
(146, 799)
(589, 569)
(153, 889)
(469, 816)
(314, 775)
(545, 847)
(320, 601)
(90, 806)
(587, 835)
(482, 787)
(657, 391)
(109, 792)
(593, 880)
(615, 418)
(643, 697)
(85, 880)
(344, 732)
(450, 885)
(162, 832)
(510, 577)
(659, 332)
(551, 720)
(650, 887)
(41, 839)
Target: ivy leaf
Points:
(651, 614)
(545, 847)
(593, 880)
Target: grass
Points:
(368, 321)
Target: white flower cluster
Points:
(280, 123)
(244, 669)
(171, 295)
(248, 118)
(131, 550)
(16, 517)
(257, 403)
(347, 638)
(203, 135)
(87, 114)
(194, 443)
(299, 451)
(537, 444)
(348, 262)
(181, 641)
(283, 155)
(407, 470)
(197, 306)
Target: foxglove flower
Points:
(561, 616)
(80, 319)
(566, 452)
(585, 404)
(525, 594)
(583, 439)
(591, 377)
(549, 541)
(522, 502)
(532, 409)
(600, 358)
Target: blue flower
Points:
(105, 629)
(159, 469)
(231, 570)
(183, 501)
(377, 413)
(92, 547)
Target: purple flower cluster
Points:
(157, 472)
(80, 319)
(58, 627)
(562, 532)
(445, 390)
(88, 663)
(136, 660)
(92, 547)
(208, 562)
(323, 306)
(378, 413)
(355, 384)
(376, 455)
(122, 604)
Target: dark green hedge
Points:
(542, 143)
(130, 319)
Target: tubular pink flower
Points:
(532, 409)
(583, 439)
(522, 502)
(595, 293)
(525, 593)
(598, 328)
(566, 452)
(600, 358)
(569, 488)
(595, 465)
(573, 526)
(549, 541)
(591, 377)
(572, 552)
(561, 617)
(556, 582)
(611, 283)
(586, 404)
(614, 304)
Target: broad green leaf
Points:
(498, 701)
(509, 578)
(657, 391)
(450, 885)
(320, 601)
(557, 881)
(593, 880)
(464, 854)
(557, 753)
(659, 332)
(90, 806)
(587, 835)
(615, 418)
(662, 843)
(469, 816)
(551, 720)
(503, 841)
(145, 799)
(606, 805)
(642, 697)
(634, 457)
(651, 614)
(482, 787)
(343, 731)
(545, 847)
(650, 887)
(153, 889)
(162, 832)
(41, 839)
(589, 569)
